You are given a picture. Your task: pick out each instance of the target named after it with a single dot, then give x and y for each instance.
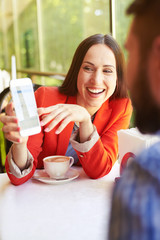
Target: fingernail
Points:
(42, 123)
(46, 129)
(57, 132)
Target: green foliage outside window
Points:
(48, 43)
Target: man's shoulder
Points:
(150, 157)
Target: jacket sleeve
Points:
(98, 159)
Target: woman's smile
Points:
(95, 92)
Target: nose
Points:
(97, 77)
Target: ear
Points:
(154, 69)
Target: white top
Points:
(75, 210)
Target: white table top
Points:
(76, 210)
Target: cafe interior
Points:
(43, 35)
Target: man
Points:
(135, 212)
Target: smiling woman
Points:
(97, 78)
(81, 118)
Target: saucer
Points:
(42, 176)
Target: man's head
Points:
(143, 67)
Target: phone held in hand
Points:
(25, 106)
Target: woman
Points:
(81, 118)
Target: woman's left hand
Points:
(63, 114)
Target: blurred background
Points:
(43, 34)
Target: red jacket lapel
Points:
(102, 117)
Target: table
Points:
(76, 210)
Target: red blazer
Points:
(111, 117)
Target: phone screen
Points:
(25, 108)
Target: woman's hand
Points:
(63, 114)
(10, 126)
(11, 133)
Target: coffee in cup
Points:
(57, 166)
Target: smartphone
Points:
(25, 106)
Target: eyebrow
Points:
(103, 65)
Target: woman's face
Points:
(97, 77)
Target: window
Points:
(121, 21)
(44, 34)
(64, 24)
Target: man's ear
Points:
(154, 69)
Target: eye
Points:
(88, 69)
(108, 71)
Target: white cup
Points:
(57, 166)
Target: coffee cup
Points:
(57, 166)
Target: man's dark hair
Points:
(138, 7)
(147, 18)
(146, 28)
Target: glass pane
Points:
(28, 35)
(10, 44)
(65, 24)
(19, 33)
(2, 57)
(122, 21)
(44, 34)
(6, 38)
(122, 24)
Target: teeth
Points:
(95, 90)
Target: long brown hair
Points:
(69, 86)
